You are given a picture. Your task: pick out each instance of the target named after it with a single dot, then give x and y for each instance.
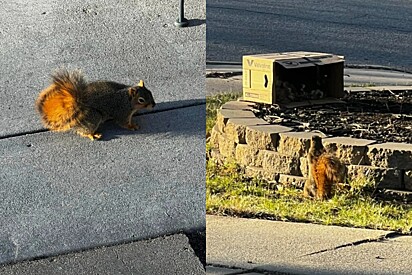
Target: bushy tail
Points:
(329, 172)
(60, 103)
(335, 170)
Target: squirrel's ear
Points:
(133, 91)
(141, 84)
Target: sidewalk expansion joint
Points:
(195, 103)
(240, 271)
(54, 256)
(383, 238)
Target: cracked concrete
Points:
(230, 270)
(382, 238)
(296, 248)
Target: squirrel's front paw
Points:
(132, 126)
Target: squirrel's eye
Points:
(141, 100)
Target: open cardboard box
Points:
(292, 77)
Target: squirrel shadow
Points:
(183, 117)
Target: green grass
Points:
(230, 192)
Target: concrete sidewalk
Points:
(61, 193)
(170, 255)
(249, 246)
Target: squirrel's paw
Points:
(92, 136)
(96, 136)
(133, 126)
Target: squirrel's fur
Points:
(325, 171)
(71, 103)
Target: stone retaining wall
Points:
(276, 153)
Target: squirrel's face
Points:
(142, 98)
(316, 140)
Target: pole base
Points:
(181, 23)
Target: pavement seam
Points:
(197, 103)
(382, 238)
(53, 256)
(243, 270)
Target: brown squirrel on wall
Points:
(71, 103)
(325, 171)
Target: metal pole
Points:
(181, 21)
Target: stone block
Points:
(214, 137)
(408, 180)
(276, 163)
(221, 122)
(223, 116)
(238, 105)
(296, 181)
(229, 113)
(397, 195)
(246, 155)
(227, 147)
(348, 150)
(217, 156)
(385, 178)
(259, 172)
(264, 137)
(390, 155)
(295, 143)
(304, 166)
(235, 128)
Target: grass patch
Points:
(229, 192)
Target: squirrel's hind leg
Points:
(89, 124)
(309, 189)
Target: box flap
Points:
(309, 61)
(296, 63)
(326, 59)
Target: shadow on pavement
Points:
(197, 240)
(196, 22)
(173, 118)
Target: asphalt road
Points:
(374, 32)
(62, 193)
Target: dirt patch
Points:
(384, 116)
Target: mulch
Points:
(384, 116)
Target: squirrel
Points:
(72, 103)
(325, 171)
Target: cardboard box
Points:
(292, 77)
